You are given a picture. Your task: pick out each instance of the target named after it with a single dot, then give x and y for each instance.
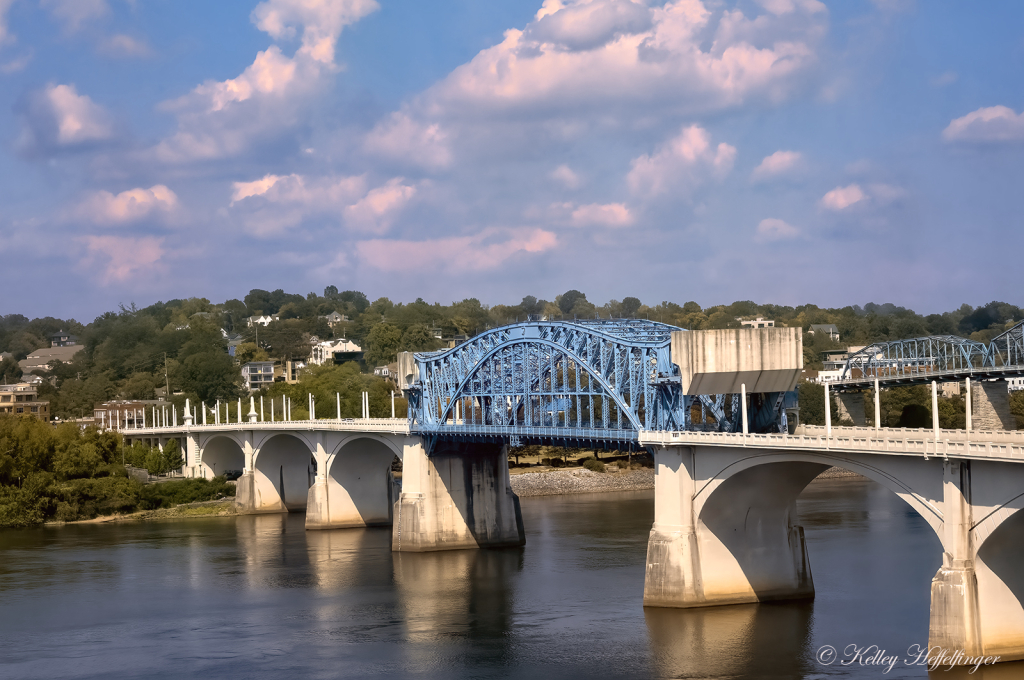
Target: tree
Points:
(630, 306)
(382, 344)
(568, 300)
(249, 351)
(10, 371)
(418, 338)
(139, 386)
(172, 459)
(331, 292)
(210, 376)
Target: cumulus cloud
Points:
(117, 259)
(620, 52)
(74, 13)
(57, 118)
(989, 124)
(400, 138)
(376, 211)
(275, 203)
(320, 21)
(607, 215)
(123, 46)
(680, 164)
(774, 229)
(479, 252)
(565, 176)
(842, 198)
(779, 163)
(220, 119)
(103, 207)
(853, 195)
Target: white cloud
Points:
(275, 203)
(565, 176)
(774, 229)
(594, 52)
(877, 195)
(779, 163)
(271, 96)
(122, 45)
(376, 211)
(74, 13)
(321, 22)
(117, 259)
(58, 117)
(842, 198)
(484, 251)
(403, 139)
(680, 164)
(607, 215)
(103, 207)
(989, 124)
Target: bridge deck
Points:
(389, 425)
(998, 446)
(923, 377)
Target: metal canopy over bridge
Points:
(598, 382)
(935, 357)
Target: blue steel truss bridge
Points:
(587, 383)
(942, 358)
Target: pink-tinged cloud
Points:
(680, 164)
(598, 215)
(5, 33)
(483, 251)
(990, 124)
(117, 259)
(103, 207)
(321, 22)
(774, 229)
(57, 118)
(601, 51)
(376, 211)
(403, 139)
(842, 198)
(779, 163)
(565, 176)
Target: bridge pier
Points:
(738, 544)
(851, 407)
(990, 406)
(458, 497)
(353, 487)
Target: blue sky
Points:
(784, 151)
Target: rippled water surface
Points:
(260, 597)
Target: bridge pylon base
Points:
(457, 498)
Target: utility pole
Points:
(167, 380)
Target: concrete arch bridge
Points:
(708, 405)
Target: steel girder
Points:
(1008, 347)
(591, 375)
(930, 354)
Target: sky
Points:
(781, 151)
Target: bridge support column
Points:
(245, 489)
(459, 497)
(851, 407)
(990, 405)
(741, 547)
(191, 451)
(955, 617)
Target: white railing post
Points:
(935, 413)
(392, 404)
(743, 410)
(239, 409)
(828, 413)
(337, 396)
(271, 409)
(261, 408)
(204, 412)
(878, 408)
(968, 405)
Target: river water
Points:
(260, 597)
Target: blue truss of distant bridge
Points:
(587, 381)
(935, 357)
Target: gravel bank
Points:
(580, 481)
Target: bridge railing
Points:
(892, 442)
(392, 425)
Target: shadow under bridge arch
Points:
(360, 488)
(219, 455)
(283, 471)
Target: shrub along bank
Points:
(63, 473)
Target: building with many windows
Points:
(759, 322)
(257, 374)
(23, 399)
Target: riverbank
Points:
(219, 508)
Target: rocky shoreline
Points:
(580, 480)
